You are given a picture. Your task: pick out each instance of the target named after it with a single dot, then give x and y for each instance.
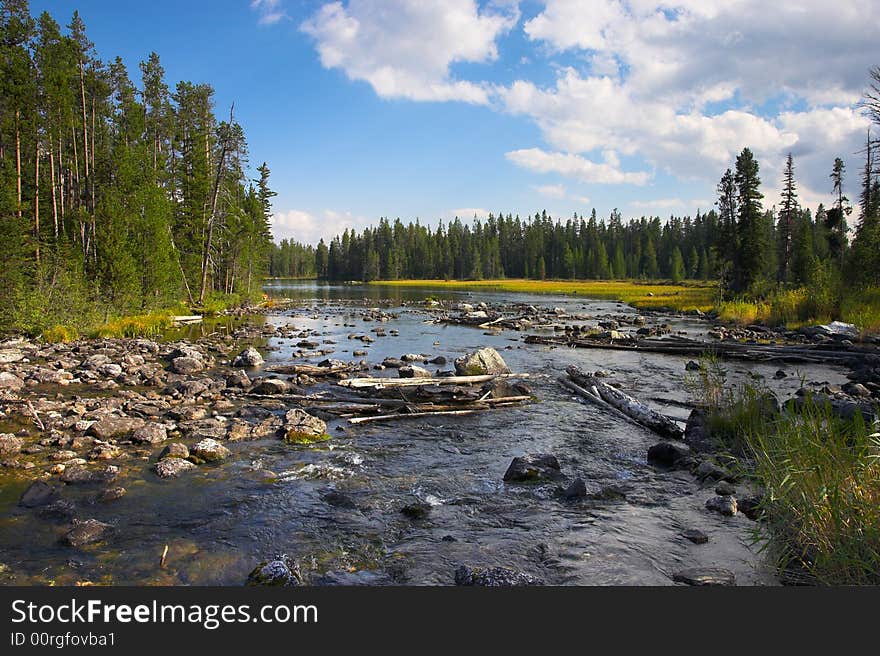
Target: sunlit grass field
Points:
(684, 296)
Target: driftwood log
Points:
(380, 383)
(625, 404)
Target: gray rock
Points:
(412, 371)
(533, 467)
(725, 489)
(238, 379)
(697, 433)
(271, 386)
(250, 357)
(8, 356)
(705, 576)
(172, 467)
(150, 433)
(493, 577)
(482, 362)
(577, 489)
(668, 454)
(392, 363)
(722, 504)
(85, 532)
(210, 450)
(82, 475)
(186, 365)
(418, 509)
(411, 357)
(696, 536)
(750, 506)
(114, 427)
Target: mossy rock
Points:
(296, 437)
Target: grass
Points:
(683, 297)
(141, 325)
(820, 475)
(60, 334)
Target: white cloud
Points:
(270, 11)
(574, 166)
(550, 190)
(467, 213)
(662, 206)
(310, 227)
(405, 48)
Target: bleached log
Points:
(408, 415)
(184, 320)
(626, 404)
(381, 383)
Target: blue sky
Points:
(429, 108)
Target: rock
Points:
(111, 494)
(482, 362)
(110, 370)
(78, 474)
(668, 454)
(150, 433)
(532, 468)
(250, 357)
(172, 467)
(105, 452)
(281, 572)
(186, 365)
(412, 371)
(692, 366)
(302, 428)
(696, 536)
(339, 499)
(439, 360)
(114, 427)
(10, 381)
(705, 576)
(416, 510)
(210, 450)
(85, 532)
(8, 356)
(10, 444)
(725, 489)
(174, 450)
(39, 493)
(493, 577)
(238, 379)
(723, 505)
(411, 357)
(577, 489)
(271, 386)
(707, 470)
(697, 433)
(750, 506)
(393, 363)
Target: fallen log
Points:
(626, 404)
(381, 383)
(309, 370)
(595, 399)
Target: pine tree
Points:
(787, 217)
(750, 261)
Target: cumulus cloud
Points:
(575, 166)
(467, 213)
(660, 206)
(269, 11)
(310, 227)
(405, 48)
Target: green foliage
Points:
(60, 334)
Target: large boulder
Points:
(210, 450)
(532, 468)
(302, 428)
(480, 363)
(114, 427)
(250, 357)
(271, 386)
(10, 381)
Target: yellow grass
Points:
(696, 295)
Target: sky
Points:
(430, 109)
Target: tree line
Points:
(116, 197)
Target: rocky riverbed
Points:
(115, 452)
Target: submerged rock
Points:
(533, 467)
(482, 362)
(668, 454)
(416, 510)
(39, 494)
(705, 576)
(85, 532)
(493, 577)
(577, 489)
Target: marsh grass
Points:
(820, 475)
(141, 325)
(685, 296)
(59, 334)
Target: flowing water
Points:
(335, 507)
